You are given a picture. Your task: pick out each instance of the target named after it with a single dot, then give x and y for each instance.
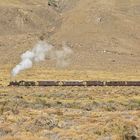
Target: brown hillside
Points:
(104, 35)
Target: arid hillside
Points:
(104, 35)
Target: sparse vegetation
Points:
(58, 112)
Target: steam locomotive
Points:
(74, 83)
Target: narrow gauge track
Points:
(74, 83)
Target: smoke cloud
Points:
(39, 53)
(62, 57)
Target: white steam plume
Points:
(63, 56)
(39, 53)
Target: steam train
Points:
(74, 83)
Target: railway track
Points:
(74, 83)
